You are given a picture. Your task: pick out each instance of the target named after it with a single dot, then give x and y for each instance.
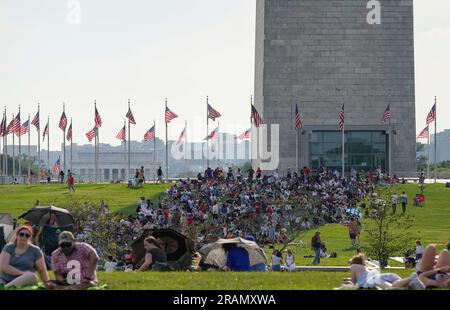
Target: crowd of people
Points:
(217, 204)
(225, 203)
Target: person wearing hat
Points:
(74, 263)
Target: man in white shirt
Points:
(215, 209)
(394, 201)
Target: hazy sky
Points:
(147, 50)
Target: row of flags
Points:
(19, 130)
(213, 114)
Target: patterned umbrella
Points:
(215, 255)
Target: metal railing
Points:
(442, 177)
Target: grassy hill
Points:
(16, 199)
(431, 225)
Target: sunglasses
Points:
(24, 235)
(65, 245)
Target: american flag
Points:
(10, 125)
(256, 117)
(150, 134)
(35, 120)
(213, 135)
(342, 118)
(98, 119)
(91, 134)
(130, 117)
(69, 133)
(423, 134)
(213, 113)
(3, 126)
(121, 134)
(244, 136)
(387, 114)
(23, 129)
(56, 167)
(432, 115)
(298, 120)
(45, 133)
(63, 121)
(182, 136)
(170, 115)
(14, 126)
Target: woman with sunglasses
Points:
(20, 259)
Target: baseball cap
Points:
(66, 237)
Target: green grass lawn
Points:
(304, 280)
(431, 225)
(16, 199)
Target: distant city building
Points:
(443, 146)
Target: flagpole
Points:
(99, 174)
(297, 134)
(207, 133)
(5, 147)
(3, 144)
(14, 152)
(71, 139)
(435, 139)
(64, 140)
(167, 148)
(48, 143)
(185, 148)
(251, 138)
(29, 149)
(428, 147)
(125, 150)
(390, 136)
(39, 137)
(296, 150)
(20, 145)
(154, 151)
(218, 144)
(343, 147)
(129, 142)
(96, 147)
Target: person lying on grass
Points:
(74, 263)
(365, 278)
(433, 274)
(20, 259)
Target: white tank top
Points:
(289, 260)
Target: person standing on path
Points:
(404, 200)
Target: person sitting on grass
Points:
(74, 263)
(431, 274)
(276, 260)
(155, 257)
(20, 259)
(237, 258)
(365, 278)
(290, 261)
